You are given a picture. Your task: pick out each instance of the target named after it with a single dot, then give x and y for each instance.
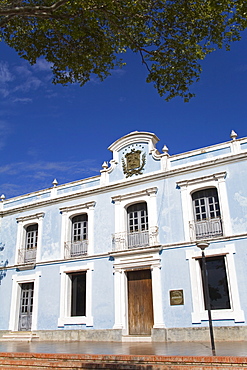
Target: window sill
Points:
(236, 315)
(75, 320)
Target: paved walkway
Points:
(116, 348)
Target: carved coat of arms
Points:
(134, 163)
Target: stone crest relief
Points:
(134, 163)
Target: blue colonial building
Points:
(116, 257)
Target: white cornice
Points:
(203, 179)
(149, 191)
(134, 137)
(126, 183)
(30, 217)
(78, 206)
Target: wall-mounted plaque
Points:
(176, 297)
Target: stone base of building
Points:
(223, 333)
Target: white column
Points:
(225, 212)
(152, 209)
(186, 206)
(64, 232)
(119, 305)
(157, 297)
(91, 230)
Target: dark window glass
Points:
(32, 236)
(78, 294)
(137, 217)
(217, 283)
(79, 228)
(206, 204)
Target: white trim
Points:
(15, 299)
(23, 222)
(67, 214)
(65, 294)
(132, 138)
(125, 263)
(216, 180)
(124, 200)
(199, 313)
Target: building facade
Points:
(115, 256)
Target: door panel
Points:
(26, 306)
(140, 302)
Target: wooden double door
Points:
(140, 302)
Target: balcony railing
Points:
(206, 229)
(136, 239)
(27, 256)
(76, 249)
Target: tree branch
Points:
(32, 10)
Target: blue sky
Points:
(49, 131)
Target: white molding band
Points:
(199, 313)
(139, 261)
(65, 295)
(187, 187)
(15, 299)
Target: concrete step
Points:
(22, 336)
(45, 361)
(136, 338)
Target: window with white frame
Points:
(31, 243)
(222, 284)
(77, 230)
(29, 238)
(217, 281)
(76, 296)
(18, 303)
(205, 207)
(207, 215)
(135, 220)
(78, 293)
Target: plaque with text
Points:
(176, 297)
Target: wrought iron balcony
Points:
(76, 249)
(27, 256)
(136, 239)
(205, 229)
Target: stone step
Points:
(22, 336)
(136, 338)
(45, 361)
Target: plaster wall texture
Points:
(175, 269)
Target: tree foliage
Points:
(85, 37)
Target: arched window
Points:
(78, 245)
(138, 235)
(79, 227)
(31, 243)
(207, 213)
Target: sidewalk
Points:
(118, 348)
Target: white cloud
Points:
(22, 78)
(43, 169)
(31, 83)
(42, 65)
(22, 100)
(5, 130)
(29, 177)
(5, 74)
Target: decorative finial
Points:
(2, 197)
(165, 149)
(234, 135)
(105, 165)
(55, 183)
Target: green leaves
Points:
(85, 37)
